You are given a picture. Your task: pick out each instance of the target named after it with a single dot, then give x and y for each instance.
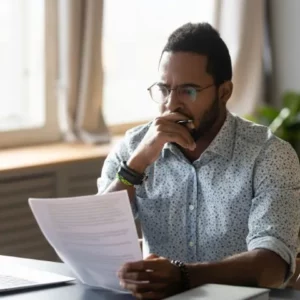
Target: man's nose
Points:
(173, 102)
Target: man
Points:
(221, 201)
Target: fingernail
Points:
(193, 147)
(192, 126)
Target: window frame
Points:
(50, 132)
(120, 129)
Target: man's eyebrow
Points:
(163, 84)
(194, 85)
(188, 84)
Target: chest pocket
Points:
(154, 215)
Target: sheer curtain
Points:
(241, 25)
(80, 71)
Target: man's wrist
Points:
(137, 165)
(196, 275)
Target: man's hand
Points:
(163, 129)
(152, 278)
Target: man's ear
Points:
(225, 91)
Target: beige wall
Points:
(286, 47)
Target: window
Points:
(134, 33)
(27, 72)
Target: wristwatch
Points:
(129, 176)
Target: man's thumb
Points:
(151, 256)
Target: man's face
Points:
(181, 68)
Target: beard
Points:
(209, 118)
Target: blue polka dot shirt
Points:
(242, 193)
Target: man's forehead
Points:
(182, 66)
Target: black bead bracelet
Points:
(185, 276)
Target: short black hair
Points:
(203, 39)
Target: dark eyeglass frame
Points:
(198, 90)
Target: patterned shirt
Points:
(242, 193)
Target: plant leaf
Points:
(251, 118)
(279, 121)
(291, 100)
(268, 113)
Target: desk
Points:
(77, 291)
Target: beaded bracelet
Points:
(185, 276)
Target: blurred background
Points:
(74, 76)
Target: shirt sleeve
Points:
(110, 167)
(275, 212)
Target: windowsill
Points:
(51, 154)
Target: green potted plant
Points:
(284, 122)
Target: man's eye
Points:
(163, 90)
(188, 91)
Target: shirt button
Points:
(191, 207)
(191, 244)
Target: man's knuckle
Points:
(157, 121)
(136, 288)
(140, 288)
(171, 135)
(138, 296)
(125, 268)
(160, 134)
(159, 127)
(136, 276)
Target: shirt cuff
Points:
(277, 246)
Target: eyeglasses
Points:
(185, 93)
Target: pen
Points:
(184, 121)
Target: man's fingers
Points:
(174, 116)
(152, 265)
(149, 295)
(136, 276)
(177, 138)
(152, 256)
(142, 265)
(143, 287)
(176, 128)
(180, 136)
(151, 276)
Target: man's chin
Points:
(200, 133)
(196, 134)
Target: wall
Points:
(19, 233)
(285, 23)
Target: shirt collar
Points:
(222, 144)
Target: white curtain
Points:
(80, 71)
(241, 25)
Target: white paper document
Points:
(93, 235)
